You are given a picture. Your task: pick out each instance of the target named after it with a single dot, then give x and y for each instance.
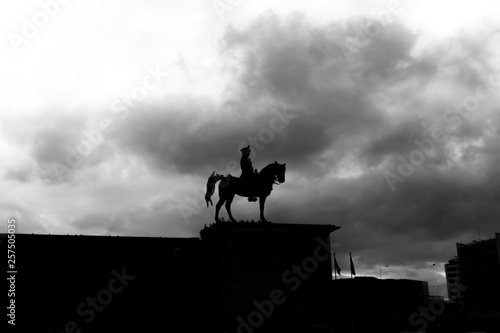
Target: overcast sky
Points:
(114, 113)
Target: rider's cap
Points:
(245, 150)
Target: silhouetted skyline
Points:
(236, 277)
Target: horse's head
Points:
(279, 172)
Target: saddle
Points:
(250, 183)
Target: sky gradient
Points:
(387, 115)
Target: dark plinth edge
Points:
(225, 227)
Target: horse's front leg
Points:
(262, 201)
(228, 207)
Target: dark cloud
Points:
(421, 222)
(331, 99)
(182, 138)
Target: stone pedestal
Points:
(267, 277)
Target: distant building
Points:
(454, 280)
(368, 304)
(480, 272)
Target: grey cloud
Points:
(60, 137)
(139, 221)
(27, 221)
(102, 222)
(22, 176)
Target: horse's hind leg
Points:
(218, 206)
(228, 207)
(262, 202)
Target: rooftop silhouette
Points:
(237, 277)
(109, 283)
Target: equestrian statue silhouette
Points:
(251, 184)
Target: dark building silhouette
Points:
(480, 270)
(454, 280)
(239, 277)
(368, 304)
(106, 284)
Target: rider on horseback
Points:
(247, 170)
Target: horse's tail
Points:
(212, 181)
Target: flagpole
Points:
(335, 264)
(350, 257)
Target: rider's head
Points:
(245, 150)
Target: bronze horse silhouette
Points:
(260, 185)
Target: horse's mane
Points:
(268, 168)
